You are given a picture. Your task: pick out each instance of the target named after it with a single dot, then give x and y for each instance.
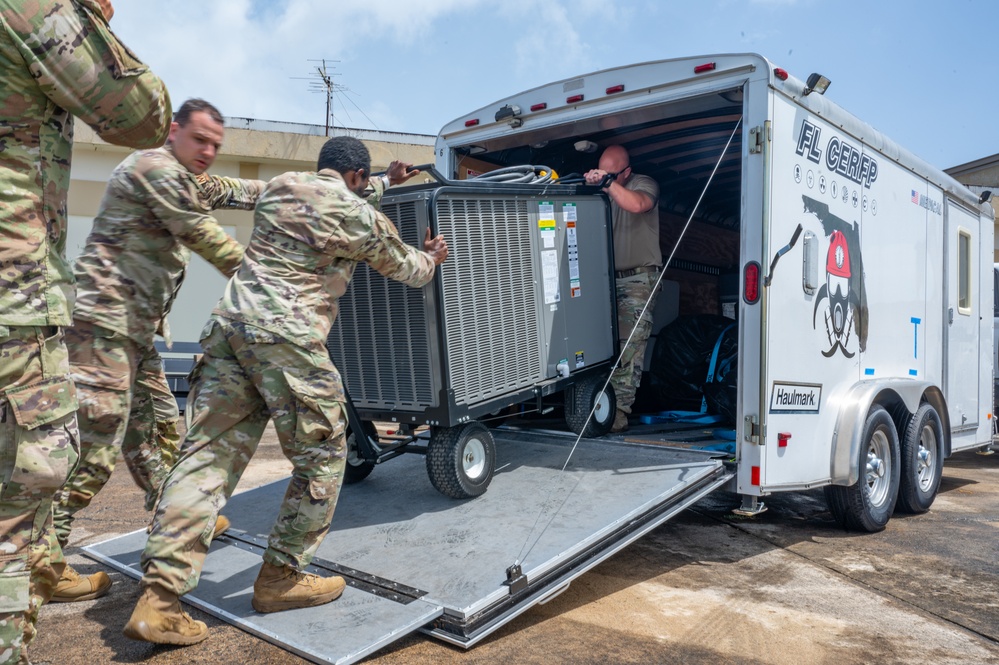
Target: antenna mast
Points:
(321, 81)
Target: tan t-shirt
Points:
(636, 235)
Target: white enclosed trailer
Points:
(864, 357)
(864, 351)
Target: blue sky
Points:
(919, 71)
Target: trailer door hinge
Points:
(752, 431)
(755, 140)
(515, 579)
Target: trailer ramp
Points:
(416, 560)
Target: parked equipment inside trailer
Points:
(845, 280)
(523, 308)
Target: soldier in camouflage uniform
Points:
(637, 264)
(57, 60)
(153, 405)
(153, 214)
(265, 356)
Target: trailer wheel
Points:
(461, 460)
(357, 468)
(922, 461)
(868, 504)
(590, 394)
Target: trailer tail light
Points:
(706, 67)
(751, 283)
(472, 123)
(782, 439)
(780, 73)
(575, 99)
(615, 89)
(755, 476)
(539, 107)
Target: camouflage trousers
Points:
(39, 446)
(118, 382)
(246, 377)
(632, 294)
(152, 442)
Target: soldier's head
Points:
(615, 160)
(196, 135)
(348, 157)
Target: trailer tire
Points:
(868, 504)
(357, 468)
(461, 460)
(922, 461)
(581, 398)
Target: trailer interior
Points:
(682, 145)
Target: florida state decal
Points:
(842, 298)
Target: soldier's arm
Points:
(396, 174)
(386, 252)
(217, 192)
(374, 191)
(172, 195)
(81, 66)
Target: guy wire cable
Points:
(523, 555)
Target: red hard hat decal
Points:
(838, 262)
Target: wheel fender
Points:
(853, 410)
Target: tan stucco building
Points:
(979, 176)
(251, 149)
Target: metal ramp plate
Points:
(416, 559)
(356, 625)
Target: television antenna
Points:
(321, 81)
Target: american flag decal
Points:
(915, 197)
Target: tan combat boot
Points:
(222, 525)
(73, 586)
(158, 618)
(620, 422)
(283, 588)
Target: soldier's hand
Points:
(398, 172)
(435, 247)
(106, 8)
(593, 177)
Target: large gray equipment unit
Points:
(524, 307)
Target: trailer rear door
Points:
(812, 345)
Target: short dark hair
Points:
(344, 153)
(183, 114)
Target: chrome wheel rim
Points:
(878, 473)
(926, 467)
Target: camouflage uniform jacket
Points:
(57, 62)
(154, 212)
(309, 233)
